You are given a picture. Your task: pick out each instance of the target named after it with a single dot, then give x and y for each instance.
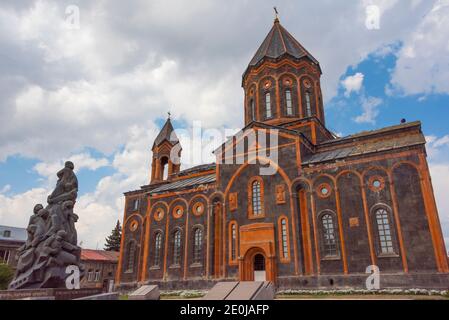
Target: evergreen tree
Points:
(113, 241)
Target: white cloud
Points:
(5, 188)
(104, 85)
(370, 110)
(438, 155)
(98, 210)
(353, 83)
(440, 174)
(422, 65)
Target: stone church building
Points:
(331, 208)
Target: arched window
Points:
(164, 168)
(384, 231)
(284, 238)
(268, 105)
(330, 247)
(252, 110)
(177, 247)
(256, 198)
(308, 105)
(157, 248)
(198, 245)
(284, 247)
(233, 242)
(131, 257)
(288, 102)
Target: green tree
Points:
(6, 275)
(113, 240)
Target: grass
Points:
(360, 297)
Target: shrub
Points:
(6, 275)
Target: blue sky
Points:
(98, 92)
(431, 109)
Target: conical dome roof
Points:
(277, 43)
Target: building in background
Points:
(11, 239)
(100, 267)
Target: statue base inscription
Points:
(58, 294)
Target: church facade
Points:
(328, 208)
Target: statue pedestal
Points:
(58, 294)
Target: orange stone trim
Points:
(277, 65)
(365, 211)
(397, 221)
(186, 243)
(280, 242)
(432, 216)
(231, 261)
(371, 185)
(305, 226)
(341, 230)
(166, 246)
(250, 212)
(233, 202)
(368, 224)
(322, 186)
(250, 131)
(315, 235)
(280, 194)
(255, 239)
(358, 161)
(178, 211)
(192, 175)
(146, 247)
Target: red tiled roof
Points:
(99, 255)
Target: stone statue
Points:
(51, 245)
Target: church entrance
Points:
(260, 273)
(258, 259)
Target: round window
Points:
(198, 208)
(133, 225)
(178, 212)
(324, 190)
(376, 183)
(307, 83)
(159, 214)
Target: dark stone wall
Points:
(167, 205)
(415, 227)
(277, 90)
(348, 185)
(356, 236)
(382, 197)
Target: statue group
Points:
(51, 245)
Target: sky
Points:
(92, 82)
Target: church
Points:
(287, 200)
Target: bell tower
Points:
(166, 154)
(282, 81)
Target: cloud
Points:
(370, 110)
(439, 173)
(353, 83)
(438, 155)
(104, 85)
(5, 188)
(421, 66)
(128, 63)
(98, 210)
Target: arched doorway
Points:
(259, 272)
(257, 266)
(257, 260)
